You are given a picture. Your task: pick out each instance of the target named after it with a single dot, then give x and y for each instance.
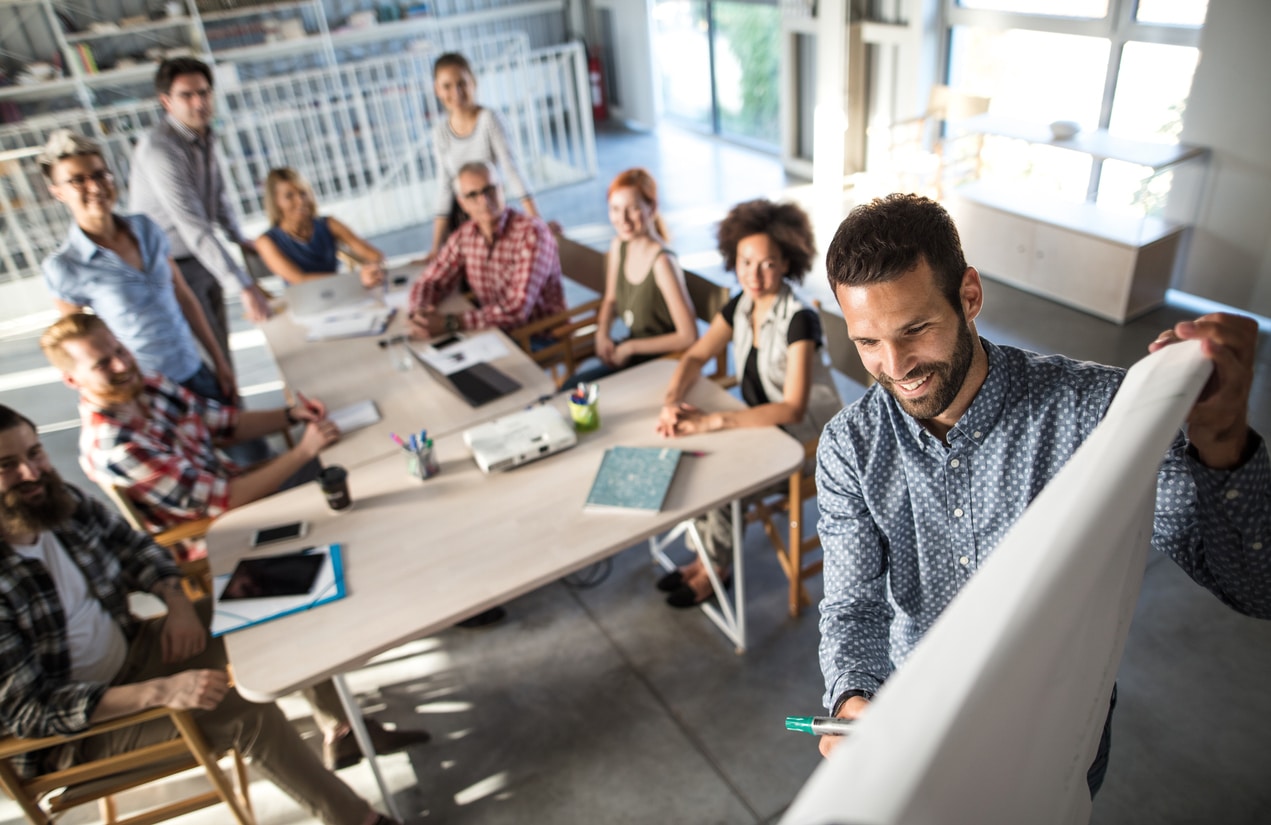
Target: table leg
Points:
(358, 725)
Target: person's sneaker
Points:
(344, 752)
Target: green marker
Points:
(819, 725)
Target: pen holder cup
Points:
(422, 463)
(586, 416)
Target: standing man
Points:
(177, 181)
(120, 266)
(74, 655)
(508, 259)
(919, 480)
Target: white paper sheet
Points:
(349, 323)
(487, 346)
(996, 716)
(355, 416)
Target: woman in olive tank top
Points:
(644, 285)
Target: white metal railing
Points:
(361, 132)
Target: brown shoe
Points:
(344, 751)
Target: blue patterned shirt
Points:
(906, 520)
(139, 306)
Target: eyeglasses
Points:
(488, 192)
(101, 177)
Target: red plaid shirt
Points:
(165, 461)
(515, 280)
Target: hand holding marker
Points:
(819, 725)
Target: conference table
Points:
(347, 371)
(421, 555)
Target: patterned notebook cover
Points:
(633, 479)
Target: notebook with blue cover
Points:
(229, 615)
(633, 479)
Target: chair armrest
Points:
(522, 334)
(183, 532)
(14, 745)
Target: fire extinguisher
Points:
(595, 75)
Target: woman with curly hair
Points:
(775, 345)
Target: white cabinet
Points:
(1116, 263)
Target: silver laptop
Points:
(519, 438)
(324, 295)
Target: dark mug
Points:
(334, 481)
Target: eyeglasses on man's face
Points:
(490, 190)
(102, 178)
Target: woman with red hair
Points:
(644, 285)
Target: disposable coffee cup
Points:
(334, 481)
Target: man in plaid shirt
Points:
(158, 441)
(73, 655)
(509, 260)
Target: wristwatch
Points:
(291, 417)
(452, 323)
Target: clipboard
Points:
(228, 616)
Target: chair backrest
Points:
(843, 354)
(196, 573)
(581, 264)
(708, 299)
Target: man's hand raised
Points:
(1218, 425)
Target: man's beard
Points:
(19, 517)
(946, 379)
(122, 393)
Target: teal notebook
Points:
(633, 479)
(231, 615)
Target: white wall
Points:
(632, 47)
(1229, 110)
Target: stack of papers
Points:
(355, 416)
(346, 323)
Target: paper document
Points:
(488, 346)
(228, 616)
(349, 323)
(355, 416)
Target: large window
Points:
(717, 66)
(1121, 65)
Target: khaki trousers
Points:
(259, 731)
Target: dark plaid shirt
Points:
(37, 696)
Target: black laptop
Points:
(478, 384)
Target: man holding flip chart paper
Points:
(73, 655)
(920, 479)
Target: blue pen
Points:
(414, 445)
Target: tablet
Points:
(291, 574)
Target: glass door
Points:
(717, 66)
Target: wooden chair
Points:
(801, 486)
(708, 299)
(791, 550)
(925, 156)
(48, 795)
(196, 574)
(572, 330)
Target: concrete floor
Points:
(603, 705)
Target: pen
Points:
(819, 725)
(397, 439)
(701, 454)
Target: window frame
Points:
(1119, 27)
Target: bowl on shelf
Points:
(1064, 129)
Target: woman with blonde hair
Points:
(644, 285)
(300, 244)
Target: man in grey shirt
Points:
(176, 181)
